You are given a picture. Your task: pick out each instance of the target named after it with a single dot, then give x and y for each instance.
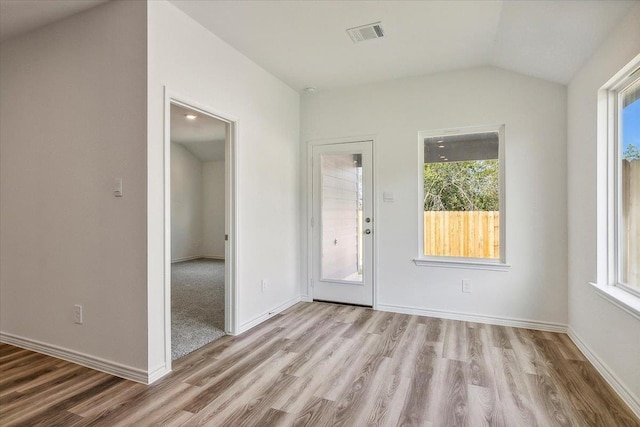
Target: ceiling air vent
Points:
(366, 32)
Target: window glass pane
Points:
(462, 196)
(629, 186)
(341, 221)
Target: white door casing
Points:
(231, 214)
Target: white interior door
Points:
(343, 223)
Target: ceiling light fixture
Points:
(190, 116)
(310, 89)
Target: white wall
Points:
(73, 118)
(197, 206)
(192, 62)
(213, 209)
(534, 112)
(186, 204)
(610, 333)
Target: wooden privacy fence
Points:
(474, 234)
(631, 223)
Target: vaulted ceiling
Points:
(20, 16)
(304, 43)
(204, 136)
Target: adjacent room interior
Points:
(197, 229)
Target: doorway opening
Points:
(198, 209)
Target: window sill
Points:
(620, 298)
(461, 263)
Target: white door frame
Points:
(374, 255)
(231, 213)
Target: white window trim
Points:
(468, 263)
(458, 262)
(608, 264)
(621, 299)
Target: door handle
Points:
(367, 231)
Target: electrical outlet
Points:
(77, 313)
(263, 284)
(466, 286)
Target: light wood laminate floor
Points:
(322, 364)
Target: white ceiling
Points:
(20, 16)
(204, 137)
(304, 43)
(553, 39)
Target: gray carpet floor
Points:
(197, 304)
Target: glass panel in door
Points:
(341, 210)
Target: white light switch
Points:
(77, 314)
(387, 197)
(117, 187)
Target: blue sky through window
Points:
(631, 125)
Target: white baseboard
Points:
(477, 318)
(615, 383)
(262, 317)
(156, 374)
(213, 257)
(305, 298)
(112, 368)
(187, 258)
(191, 258)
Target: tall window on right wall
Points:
(625, 141)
